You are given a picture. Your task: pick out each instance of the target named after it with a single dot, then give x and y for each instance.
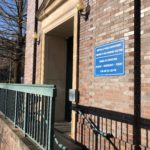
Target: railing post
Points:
(0, 100)
(25, 113)
(15, 117)
(51, 121)
(6, 97)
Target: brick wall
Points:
(38, 55)
(145, 58)
(109, 100)
(29, 52)
(114, 96)
(109, 20)
(39, 52)
(145, 69)
(12, 138)
(29, 42)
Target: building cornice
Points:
(47, 7)
(42, 6)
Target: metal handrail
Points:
(30, 108)
(93, 126)
(60, 145)
(46, 90)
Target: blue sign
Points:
(109, 59)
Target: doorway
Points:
(58, 64)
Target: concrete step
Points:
(63, 127)
(66, 141)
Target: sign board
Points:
(110, 59)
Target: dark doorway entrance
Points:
(58, 67)
(69, 77)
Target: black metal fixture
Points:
(36, 37)
(84, 11)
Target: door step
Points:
(63, 127)
(63, 139)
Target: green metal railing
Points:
(30, 108)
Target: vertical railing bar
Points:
(39, 116)
(51, 122)
(20, 112)
(43, 130)
(48, 118)
(15, 118)
(27, 128)
(17, 109)
(45, 121)
(22, 104)
(36, 115)
(1, 100)
(25, 112)
(49, 126)
(6, 103)
(33, 116)
(42, 114)
(30, 114)
(40, 119)
(47, 111)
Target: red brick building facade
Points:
(116, 104)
